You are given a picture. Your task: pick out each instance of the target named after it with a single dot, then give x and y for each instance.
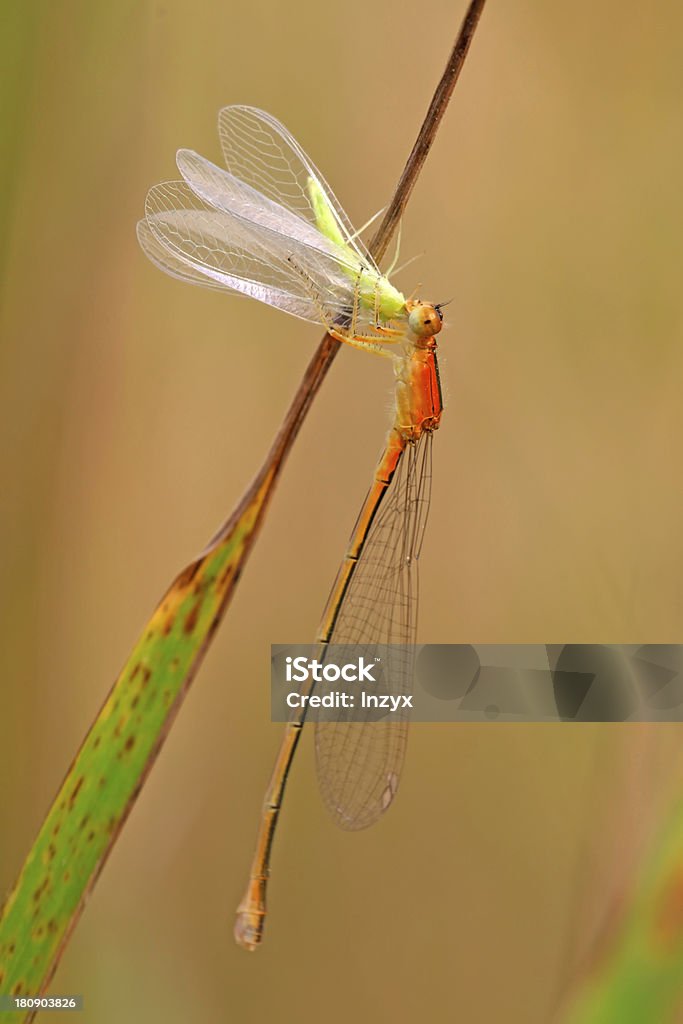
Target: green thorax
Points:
(375, 291)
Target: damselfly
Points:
(270, 227)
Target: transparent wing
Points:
(359, 763)
(167, 261)
(260, 151)
(193, 240)
(224, 191)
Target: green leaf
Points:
(109, 770)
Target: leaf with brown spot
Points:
(167, 654)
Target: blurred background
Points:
(134, 410)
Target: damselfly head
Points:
(424, 319)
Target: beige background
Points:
(134, 410)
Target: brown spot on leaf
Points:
(130, 742)
(91, 836)
(18, 988)
(192, 616)
(75, 791)
(135, 701)
(188, 574)
(168, 625)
